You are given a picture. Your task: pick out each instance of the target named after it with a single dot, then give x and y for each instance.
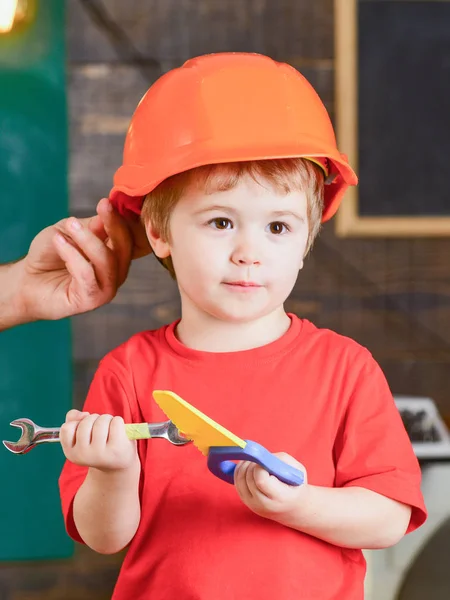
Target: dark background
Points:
(404, 95)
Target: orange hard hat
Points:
(227, 107)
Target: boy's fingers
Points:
(84, 431)
(249, 480)
(116, 430)
(264, 482)
(252, 473)
(67, 434)
(75, 415)
(100, 431)
(240, 478)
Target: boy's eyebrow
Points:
(218, 207)
(287, 213)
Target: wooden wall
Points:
(391, 295)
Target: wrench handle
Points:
(134, 431)
(137, 431)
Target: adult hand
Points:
(75, 265)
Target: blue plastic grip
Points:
(220, 462)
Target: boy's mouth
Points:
(244, 284)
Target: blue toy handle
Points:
(220, 462)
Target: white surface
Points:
(386, 569)
(426, 450)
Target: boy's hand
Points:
(266, 495)
(97, 441)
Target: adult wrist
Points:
(12, 305)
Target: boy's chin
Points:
(240, 315)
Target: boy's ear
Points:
(159, 246)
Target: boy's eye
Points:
(277, 227)
(221, 223)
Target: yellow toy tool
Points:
(220, 445)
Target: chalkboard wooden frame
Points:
(349, 221)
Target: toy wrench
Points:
(220, 445)
(32, 434)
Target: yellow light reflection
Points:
(15, 12)
(8, 9)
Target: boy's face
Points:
(236, 253)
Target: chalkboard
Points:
(393, 93)
(35, 359)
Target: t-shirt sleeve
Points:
(373, 449)
(109, 393)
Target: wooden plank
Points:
(175, 30)
(102, 99)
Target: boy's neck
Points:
(204, 332)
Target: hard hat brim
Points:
(133, 182)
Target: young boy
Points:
(231, 162)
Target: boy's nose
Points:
(248, 261)
(245, 256)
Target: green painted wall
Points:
(35, 359)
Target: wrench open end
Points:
(24, 444)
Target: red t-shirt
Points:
(313, 394)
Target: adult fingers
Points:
(120, 239)
(103, 260)
(81, 270)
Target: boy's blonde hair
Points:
(285, 175)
